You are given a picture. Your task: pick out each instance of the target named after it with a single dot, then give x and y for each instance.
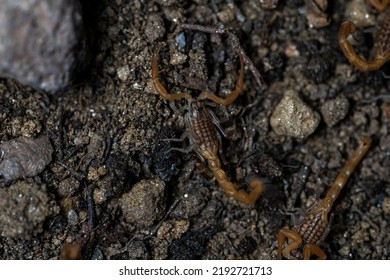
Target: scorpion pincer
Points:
(382, 41)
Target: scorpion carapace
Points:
(203, 136)
(312, 229)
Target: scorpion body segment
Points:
(202, 131)
(381, 48)
(204, 139)
(313, 227)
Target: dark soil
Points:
(115, 188)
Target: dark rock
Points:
(137, 250)
(24, 157)
(191, 245)
(246, 246)
(191, 204)
(320, 67)
(40, 41)
(164, 161)
(268, 167)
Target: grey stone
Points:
(40, 41)
(24, 157)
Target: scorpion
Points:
(201, 130)
(382, 42)
(314, 227)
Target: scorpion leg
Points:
(216, 122)
(233, 95)
(313, 249)
(181, 150)
(295, 237)
(157, 84)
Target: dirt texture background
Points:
(115, 189)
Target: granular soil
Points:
(109, 134)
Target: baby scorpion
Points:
(314, 226)
(204, 138)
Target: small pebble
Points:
(335, 110)
(145, 203)
(155, 28)
(24, 209)
(94, 173)
(384, 143)
(123, 73)
(344, 251)
(24, 157)
(177, 58)
(73, 219)
(180, 40)
(97, 254)
(226, 15)
(68, 187)
(386, 205)
(315, 13)
(320, 67)
(167, 2)
(137, 250)
(357, 11)
(172, 229)
(293, 117)
(268, 4)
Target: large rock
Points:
(40, 41)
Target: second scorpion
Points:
(312, 229)
(201, 130)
